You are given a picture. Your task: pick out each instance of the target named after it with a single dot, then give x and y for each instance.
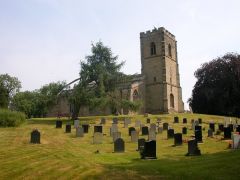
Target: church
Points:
(158, 85)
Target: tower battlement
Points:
(157, 30)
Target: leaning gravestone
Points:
(116, 135)
(141, 143)
(58, 124)
(134, 136)
(68, 128)
(170, 133)
(152, 135)
(35, 137)
(149, 150)
(97, 138)
(103, 121)
(137, 123)
(184, 120)
(184, 130)
(165, 126)
(212, 126)
(145, 130)
(227, 133)
(236, 141)
(119, 145)
(76, 123)
(98, 128)
(193, 149)
(160, 130)
(79, 132)
(85, 128)
(177, 139)
(130, 130)
(176, 120)
(210, 133)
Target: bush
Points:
(11, 118)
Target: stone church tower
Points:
(162, 90)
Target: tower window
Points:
(169, 50)
(153, 48)
(171, 100)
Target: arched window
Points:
(153, 48)
(169, 50)
(171, 100)
(135, 95)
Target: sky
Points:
(43, 41)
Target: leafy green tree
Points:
(9, 86)
(217, 90)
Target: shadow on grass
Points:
(224, 165)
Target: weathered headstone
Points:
(227, 133)
(137, 123)
(198, 135)
(113, 129)
(97, 138)
(68, 128)
(145, 130)
(176, 119)
(98, 128)
(58, 124)
(165, 126)
(220, 127)
(193, 149)
(177, 139)
(170, 133)
(160, 130)
(134, 136)
(148, 120)
(199, 120)
(103, 121)
(184, 120)
(35, 137)
(184, 130)
(79, 132)
(116, 135)
(149, 150)
(85, 128)
(153, 126)
(115, 121)
(76, 123)
(236, 141)
(130, 130)
(152, 135)
(119, 145)
(210, 133)
(141, 143)
(212, 126)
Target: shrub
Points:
(11, 118)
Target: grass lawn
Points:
(63, 156)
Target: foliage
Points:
(9, 86)
(217, 90)
(11, 118)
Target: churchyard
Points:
(69, 153)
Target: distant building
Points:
(158, 85)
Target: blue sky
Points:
(43, 41)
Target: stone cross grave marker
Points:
(119, 145)
(134, 136)
(58, 124)
(149, 150)
(79, 132)
(97, 138)
(68, 128)
(35, 137)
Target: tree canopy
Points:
(217, 90)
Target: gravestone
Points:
(115, 121)
(145, 130)
(184, 120)
(165, 126)
(148, 121)
(116, 135)
(227, 133)
(141, 143)
(198, 135)
(153, 127)
(113, 129)
(210, 133)
(238, 129)
(134, 136)
(231, 127)
(58, 124)
(184, 130)
(97, 138)
(160, 130)
(76, 123)
(212, 126)
(220, 127)
(176, 119)
(103, 121)
(152, 135)
(85, 128)
(149, 150)
(193, 149)
(137, 123)
(98, 128)
(130, 130)
(192, 121)
(170, 133)
(196, 123)
(198, 128)
(119, 145)
(79, 132)
(35, 137)
(199, 120)
(177, 139)
(68, 128)
(236, 141)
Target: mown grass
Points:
(63, 156)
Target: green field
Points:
(63, 156)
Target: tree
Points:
(217, 90)
(9, 86)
